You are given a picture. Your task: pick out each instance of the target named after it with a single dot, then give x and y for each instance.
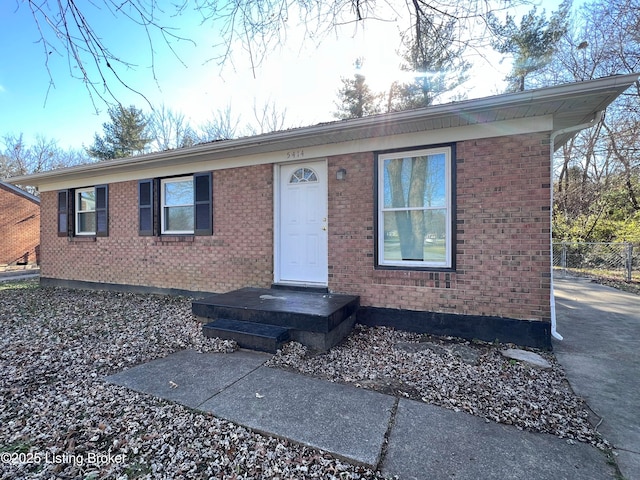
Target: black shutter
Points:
(63, 213)
(145, 208)
(203, 200)
(102, 211)
(71, 216)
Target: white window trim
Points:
(163, 182)
(77, 211)
(447, 151)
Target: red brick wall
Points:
(502, 252)
(239, 254)
(19, 228)
(502, 248)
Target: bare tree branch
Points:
(253, 27)
(66, 30)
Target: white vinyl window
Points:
(177, 198)
(414, 208)
(85, 208)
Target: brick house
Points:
(19, 227)
(437, 218)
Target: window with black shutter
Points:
(84, 212)
(176, 205)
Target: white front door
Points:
(302, 224)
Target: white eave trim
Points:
(212, 162)
(362, 130)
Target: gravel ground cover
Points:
(59, 419)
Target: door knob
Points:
(324, 227)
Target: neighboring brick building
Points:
(438, 218)
(19, 227)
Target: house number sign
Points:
(295, 154)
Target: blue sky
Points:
(302, 81)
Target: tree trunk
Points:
(403, 221)
(411, 231)
(416, 199)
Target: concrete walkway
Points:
(401, 437)
(600, 354)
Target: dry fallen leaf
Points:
(57, 345)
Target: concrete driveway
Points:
(601, 330)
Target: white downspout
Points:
(575, 128)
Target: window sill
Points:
(413, 268)
(174, 239)
(434, 278)
(82, 239)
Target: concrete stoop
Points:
(264, 319)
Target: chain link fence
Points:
(611, 260)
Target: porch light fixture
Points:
(341, 174)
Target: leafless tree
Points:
(19, 158)
(66, 29)
(605, 159)
(170, 129)
(223, 126)
(267, 118)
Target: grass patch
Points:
(26, 284)
(18, 446)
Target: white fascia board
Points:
(425, 138)
(365, 130)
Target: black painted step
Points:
(254, 336)
(310, 312)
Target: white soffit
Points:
(220, 161)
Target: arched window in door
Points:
(303, 175)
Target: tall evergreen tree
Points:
(532, 44)
(356, 100)
(126, 134)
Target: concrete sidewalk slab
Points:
(432, 442)
(599, 353)
(346, 421)
(188, 377)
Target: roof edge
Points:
(233, 146)
(21, 192)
